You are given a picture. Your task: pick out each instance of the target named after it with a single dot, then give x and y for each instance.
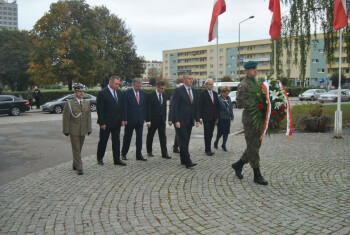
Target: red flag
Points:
(219, 8)
(340, 17)
(275, 27)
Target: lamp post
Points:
(239, 45)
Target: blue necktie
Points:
(115, 97)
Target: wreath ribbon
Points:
(289, 131)
(266, 88)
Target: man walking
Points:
(252, 137)
(184, 115)
(170, 122)
(208, 111)
(110, 110)
(77, 123)
(156, 118)
(135, 115)
(37, 97)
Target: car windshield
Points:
(334, 92)
(309, 91)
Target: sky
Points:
(159, 25)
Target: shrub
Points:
(315, 121)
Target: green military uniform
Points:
(77, 123)
(252, 137)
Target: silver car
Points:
(56, 106)
(232, 95)
(312, 94)
(332, 96)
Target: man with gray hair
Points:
(208, 112)
(134, 117)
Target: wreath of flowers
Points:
(269, 105)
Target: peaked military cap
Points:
(250, 64)
(79, 87)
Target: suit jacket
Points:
(134, 113)
(170, 113)
(226, 113)
(156, 113)
(183, 111)
(108, 111)
(77, 125)
(207, 110)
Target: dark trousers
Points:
(208, 134)
(162, 137)
(128, 131)
(102, 144)
(37, 102)
(184, 135)
(176, 141)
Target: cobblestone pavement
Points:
(308, 192)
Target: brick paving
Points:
(308, 193)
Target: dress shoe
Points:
(124, 157)
(224, 148)
(80, 172)
(120, 163)
(100, 162)
(216, 145)
(141, 158)
(258, 177)
(74, 168)
(166, 156)
(238, 167)
(191, 165)
(150, 155)
(210, 153)
(176, 150)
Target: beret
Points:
(250, 65)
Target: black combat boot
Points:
(238, 166)
(258, 177)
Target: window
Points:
(166, 56)
(321, 51)
(211, 66)
(211, 73)
(228, 65)
(221, 73)
(211, 51)
(221, 65)
(315, 41)
(314, 61)
(320, 70)
(221, 57)
(233, 57)
(221, 50)
(211, 58)
(228, 49)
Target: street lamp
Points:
(239, 45)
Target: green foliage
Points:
(314, 121)
(335, 79)
(15, 47)
(153, 73)
(226, 79)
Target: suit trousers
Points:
(77, 145)
(102, 144)
(208, 134)
(252, 137)
(128, 131)
(162, 138)
(184, 135)
(176, 140)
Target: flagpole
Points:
(217, 56)
(338, 113)
(275, 66)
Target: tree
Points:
(226, 79)
(305, 15)
(153, 73)
(15, 48)
(335, 79)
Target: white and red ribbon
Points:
(289, 131)
(265, 86)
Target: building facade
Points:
(201, 62)
(8, 15)
(152, 64)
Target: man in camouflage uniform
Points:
(252, 136)
(77, 123)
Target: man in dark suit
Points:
(110, 110)
(208, 111)
(135, 115)
(184, 115)
(170, 122)
(155, 119)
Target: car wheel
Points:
(93, 107)
(234, 105)
(15, 111)
(57, 109)
(312, 98)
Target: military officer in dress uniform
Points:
(252, 137)
(76, 124)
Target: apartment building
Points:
(8, 14)
(201, 62)
(152, 64)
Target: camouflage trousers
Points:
(252, 137)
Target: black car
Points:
(13, 105)
(56, 106)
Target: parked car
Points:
(312, 94)
(13, 105)
(232, 95)
(332, 96)
(56, 106)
